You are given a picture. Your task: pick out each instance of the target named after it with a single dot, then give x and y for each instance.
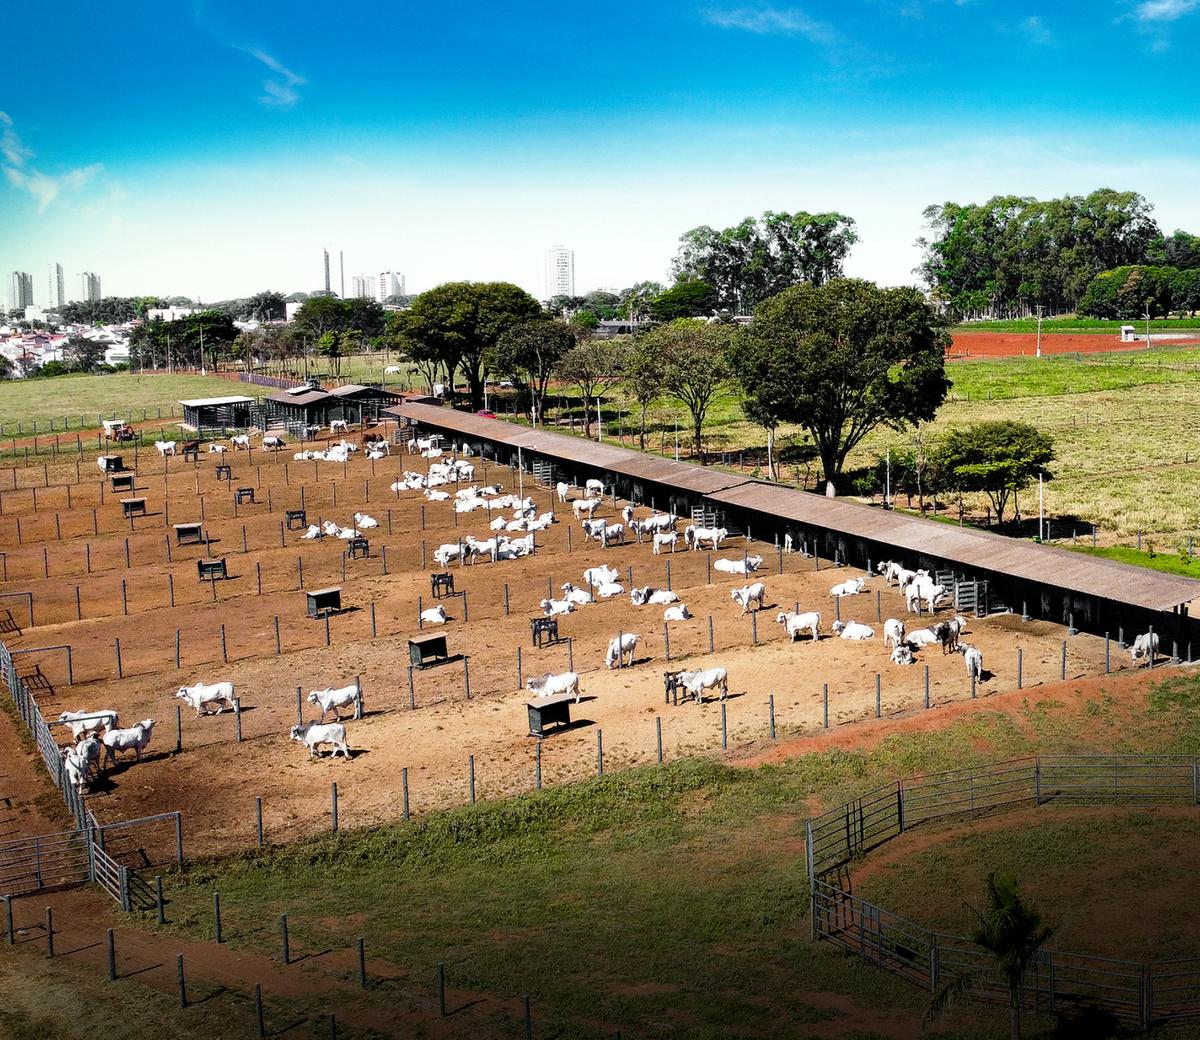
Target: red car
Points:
(486, 414)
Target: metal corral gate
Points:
(1138, 991)
(544, 472)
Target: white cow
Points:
(549, 685)
(240, 441)
(600, 575)
(851, 587)
(593, 528)
(594, 488)
(80, 760)
(562, 489)
(338, 426)
(893, 632)
(709, 679)
(916, 591)
(134, 739)
(272, 443)
(585, 505)
(796, 624)
(903, 654)
(165, 447)
(392, 370)
(434, 615)
(1145, 645)
(745, 566)
(747, 594)
(618, 647)
(434, 496)
(443, 554)
(551, 607)
(334, 700)
(650, 595)
(580, 597)
(973, 660)
(662, 538)
(608, 589)
(698, 536)
(201, 697)
(85, 723)
(921, 637)
(611, 533)
(677, 613)
(852, 630)
(315, 734)
(313, 532)
(361, 520)
(217, 449)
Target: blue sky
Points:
(214, 148)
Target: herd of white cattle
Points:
(332, 529)
(375, 445)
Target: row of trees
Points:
(1011, 254)
(1130, 292)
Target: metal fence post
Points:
(658, 734)
(333, 806)
(599, 752)
(258, 819)
(825, 699)
(216, 917)
(471, 776)
(283, 937)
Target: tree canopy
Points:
(1129, 292)
(751, 261)
(997, 458)
(531, 351)
(695, 366)
(595, 366)
(690, 299)
(860, 357)
(460, 323)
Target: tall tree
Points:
(997, 458)
(690, 299)
(756, 259)
(1013, 932)
(265, 306)
(595, 367)
(861, 357)
(770, 385)
(531, 351)
(82, 354)
(643, 378)
(695, 367)
(461, 322)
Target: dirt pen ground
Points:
(1021, 344)
(114, 611)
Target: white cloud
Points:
(1036, 32)
(279, 91)
(764, 20)
(44, 187)
(1151, 11)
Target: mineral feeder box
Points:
(426, 651)
(547, 711)
(324, 601)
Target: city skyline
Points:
(261, 139)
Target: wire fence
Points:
(1137, 991)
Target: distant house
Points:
(217, 413)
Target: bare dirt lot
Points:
(226, 631)
(1019, 344)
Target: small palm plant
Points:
(1013, 932)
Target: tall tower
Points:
(326, 252)
(560, 272)
(89, 286)
(21, 290)
(342, 272)
(55, 296)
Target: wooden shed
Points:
(217, 413)
(356, 403)
(298, 407)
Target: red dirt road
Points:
(1012, 344)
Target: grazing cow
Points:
(334, 700)
(1145, 645)
(551, 607)
(314, 734)
(795, 624)
(747, 594)
(594, 488)
(392, 370)
(202, 697)
(677, 613)
(550, 685)
(434, 615)
(748, 565)
(273, 443)
(165, 447)
(618, 647)
(240, 442)
(86, 723)
(600, 575)
(903, 654)
(709, 679)
(585, 505)
(134, 739)
(580, 597)
(364, 521)
(852, 630)
(562, 489)
(338, 426)
(893, 632)
(217, 449)
(662, 538)
(973, 660)
(852, 587)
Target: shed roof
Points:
(970, 547)
(350, 389)
(203, 402)
(307, 397)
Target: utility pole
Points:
(1148, 324)
(887, 495)
(1041, 508)
(1039, 332)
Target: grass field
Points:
(85, 398)
(1073, 324)
(663, 902)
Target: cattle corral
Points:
(226, 630)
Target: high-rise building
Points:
(326, 252)
(391, 283)
(55, 294)
(20, 290)
(560, 272)
(342, 272)
(89, 286)
(362, 286)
